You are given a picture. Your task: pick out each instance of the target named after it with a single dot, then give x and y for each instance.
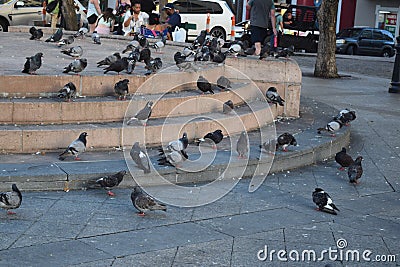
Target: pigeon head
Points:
(82, 136)
(125, 81)
(149, 104)
(39, 55)
(343, 150)
(218, 131)
(272, 89)
(136, 145)
(359, 159)
(319, 189)
(184, 135)
(123, 172)
(14, 188)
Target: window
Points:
(366, 34)
(204, 7)
(378, 35)
(32, 3)
(182, 6)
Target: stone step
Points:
(33, 138)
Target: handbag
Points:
(50, 7)
(179, 35)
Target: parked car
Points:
(195, 12)
(25, 12)
(365, 41)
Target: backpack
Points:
(50, 7)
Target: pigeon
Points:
(227, 107)
(145, 55)
(224, 83)
(173, 158)
(343, 159)
(66, 41)
(200, 39)
(131, 47)
(144, 203)
(81, 32)
(159, 44)
(355, 171)
(204, 85)
(134, 55)
(67, 92)
(324, 201)
(213, 137)
(242, 146)
(140, 157)
(153, 65)
(178, 145)
(33, 63)
(131, 66)
(75, 148)
(181, 63)
(36, 34)
(345, 116)
(219, 57)
(11, 200)
(76, 66)
(121, 89)
(285, 140)
(273, 96)
(286, 52)
(143, 41)
(143, 115)
(235, 49)
(56, 36)
(107, 182)
(96, 38)
(109, 59)
(269, 146)
(75, 51)
(117, 66)
(331, 127)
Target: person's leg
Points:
(257, 45)
(256, 39)
(54, 19)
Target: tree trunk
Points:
(325, 66)
(69, 15)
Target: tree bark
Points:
(69, 15)
(325, 66)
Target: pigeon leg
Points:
(341, 168)
(333, 135)
(141, 214)
(317, 209)
(285, 150)
(9, 212)
(111, 194)
(214, 146)
(78, 158)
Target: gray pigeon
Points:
(227, 107)
(286, 52)
(273, 96)
(355, 171)
(285, 140)
(159, 44)
(109, 59)
(36, 34)
(269, 146)
(173, 158)
(224, 83)
(56, 36)
(117, 66)
(140, 157)
(67, 92)
(76, 66)
(131, 66)
(75, 51)
(331, 127)
(178, 145)
(153, 65)
(242, 146)
(204, 85)
(144, 203)
(324, 201)
(96, 37)
(75, 148)
(66, 41)
(121, 89)
(107, 182)
(33, 63)
(81, 32)
(11, 200)
(143, 115)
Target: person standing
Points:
(147, 6)
(93, 12)
(279, 29)
(105, 22)
(260, 14)
(134, 19)
(53, 14)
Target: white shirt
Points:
(134, 24)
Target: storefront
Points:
(387, 18)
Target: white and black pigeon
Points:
(140, 157)
(235, 49)
(96, 38)
(212, 138)
(143, 115)
(76, 148)
(33, 63)
(227, 107)
(67, 92)
(224, 83)
(11, 200)
(81, 32)
(75, 51)
(121, 89)
(178, 145)
(109, 60)
(204, 85)
(346, 116)
(331, 128)
(285, 140)
(36, 34)
(355, 171)
(144, 203)
(324, 201)
(344, 159)
(66, 41)
(286, 52)
(273, 96)
(173, 158)
(242, 146)
(159, 44)
(56, 36)
(107, 182)
(77, 66)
